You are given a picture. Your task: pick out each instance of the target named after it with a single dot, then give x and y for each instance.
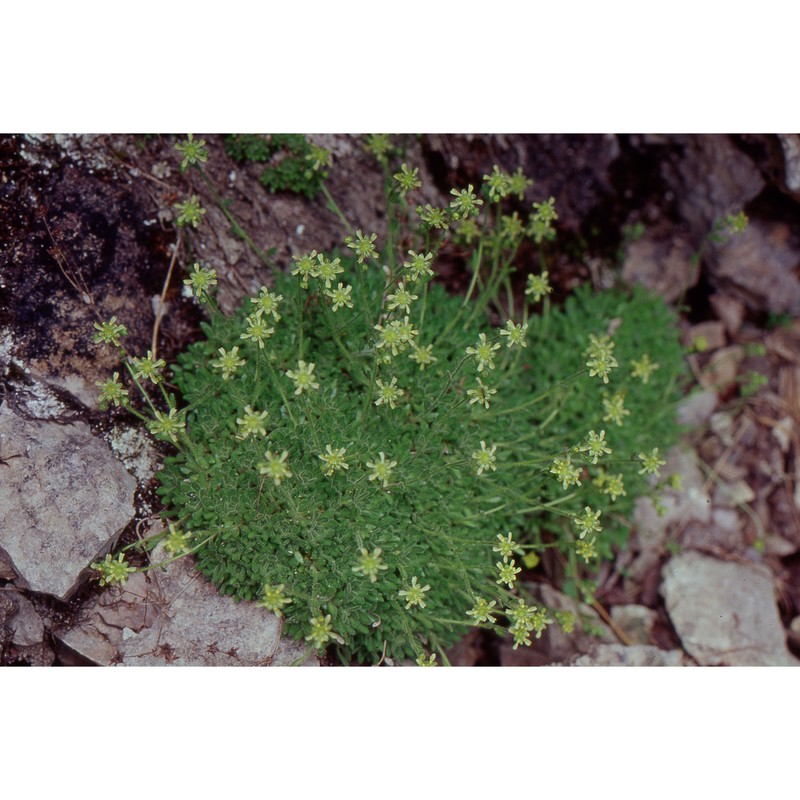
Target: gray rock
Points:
(61, 501)
(790, 143)
(724, 612)
(134, 448)
(729, 310)
(26, 626)
(175, 616)
(759, 265)
(720, 372)
(7, 572)
(640, 655)
(794, 631)
(712, 178)
(663, 265)
(697, 409)
(723, 535)
(690, 503)
(22, 634)
(635, 621)
(711, 333)
(730, 495)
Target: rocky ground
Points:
(86, 232)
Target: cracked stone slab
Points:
(173, 615)
(725, 612)
(61, 500)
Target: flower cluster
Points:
(200, 281)
(601, 360)
(396, 336)
(538, 286)
(251, 423)
(111, 391)
(148, 368)
(407, 179)
(485, 458)
(113, 571)
(515, 334)
(228, 362)
(370, 564)
(273, 598)
(275, 466)
(110, 332)
(567, 474)
(302, 377)
(381, 469)
(333, 460)
(482, 394)
(322, 632)
(651, 463)
(483, 352)
(194, 152)
(177, 542)
(415, 594)
(363, 246)
(167, 426)
(190, 212)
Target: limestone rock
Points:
(723, 535)
(690, 503)
(175, 616)
(725, 612)
(640, 655)
(61, 501)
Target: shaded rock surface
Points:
(635, 621)
(22, 634)
(174, 616)
(662, 264)
(790, 144)
(61, 501)
(759, 267)
(711, 177)
(725, 612)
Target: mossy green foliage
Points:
(639, 323)
(437, 519)
(287, 157)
